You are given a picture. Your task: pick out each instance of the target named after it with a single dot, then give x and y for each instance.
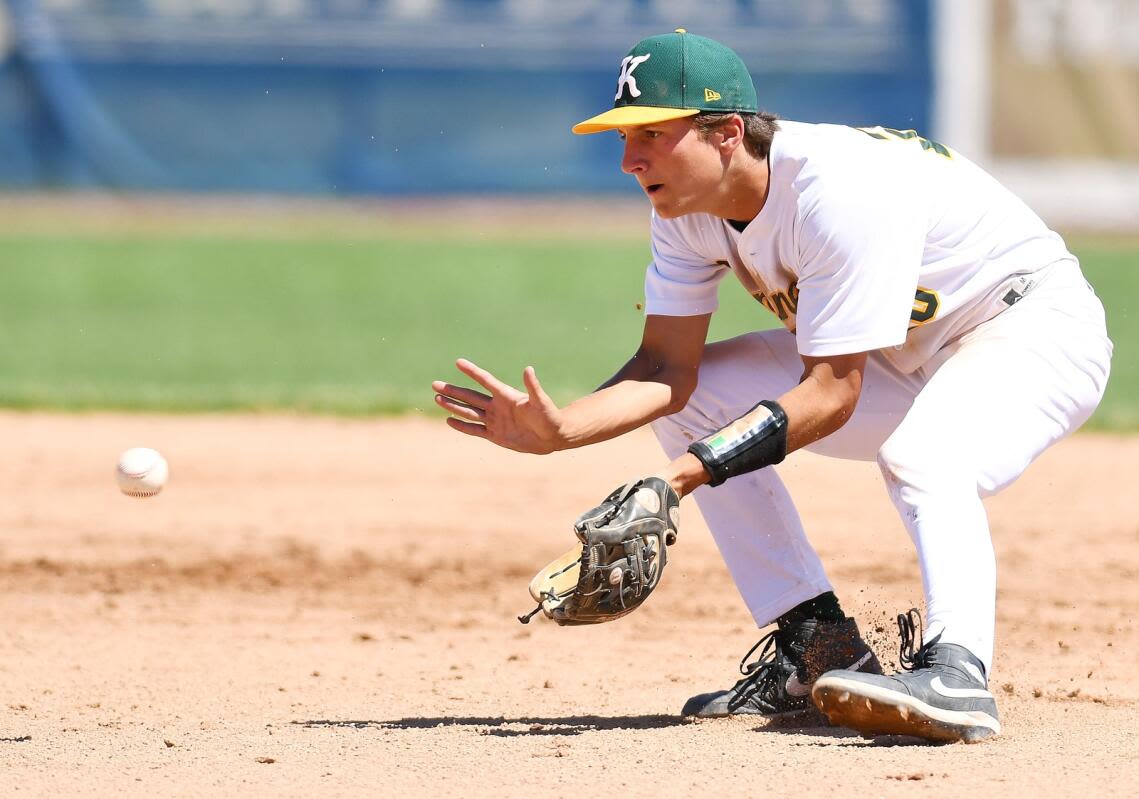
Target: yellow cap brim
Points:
(629, 116)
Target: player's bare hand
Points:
(524, 421)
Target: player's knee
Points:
(925, 464)
(888, 463)
(904, 459)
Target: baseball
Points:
(141, 472)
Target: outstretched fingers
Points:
(482, 377)
(533, 387)
(459, 409)
(461, 394)
(477, 430)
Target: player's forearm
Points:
(615, 409)
(656, 381)
(814, 412)
(642, 390)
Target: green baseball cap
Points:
(675, 75)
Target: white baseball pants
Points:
(961, 428)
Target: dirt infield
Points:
(319, 606)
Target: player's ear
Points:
(731, 133)
(734, 131)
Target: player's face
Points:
(678, 171)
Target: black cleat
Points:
(777, 684)
(942, 697)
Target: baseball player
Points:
(931, 322)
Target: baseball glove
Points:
(623, 551)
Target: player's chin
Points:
(664, 208)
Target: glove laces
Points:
(618, 498)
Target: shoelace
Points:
(910, 631)
(760, 676)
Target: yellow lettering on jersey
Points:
(765, 302)
(783, 304)
(926, 303)
(786, 305)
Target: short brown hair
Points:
(759, 129)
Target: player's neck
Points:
(744, 190)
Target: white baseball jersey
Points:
(870, 239)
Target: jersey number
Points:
(889, 134)
(926, 303)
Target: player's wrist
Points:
(570, 429)
(685, 474)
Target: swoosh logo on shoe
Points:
(976, 672)
(796, 688)
(958, 693)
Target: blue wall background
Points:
(350, 97)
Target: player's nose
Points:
(632, 161)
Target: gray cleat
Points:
(778, 682)
(943, 697)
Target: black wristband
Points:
(743, 447)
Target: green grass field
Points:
(357, 326)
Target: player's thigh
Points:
(734, 375)
(737, 373)
(1007, 393)
(886, 398)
